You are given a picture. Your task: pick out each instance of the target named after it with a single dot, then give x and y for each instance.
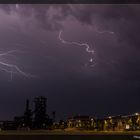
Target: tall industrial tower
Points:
(27, 115)
(40, 111)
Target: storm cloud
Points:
(64, 70)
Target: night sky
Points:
(109, 85)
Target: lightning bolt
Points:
(103, 32)
(87, 47)
(11, 68)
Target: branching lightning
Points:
(88, 49)
(11, 68)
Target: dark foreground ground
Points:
(68, 135)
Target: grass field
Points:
(68, 135)
(64, 132)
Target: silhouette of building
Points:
(24, 121)
(40, 117)
(27, 116)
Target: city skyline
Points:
(37, 118)
(83, 58)
(40, 108)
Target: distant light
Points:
(136, 114)
(127, 126)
